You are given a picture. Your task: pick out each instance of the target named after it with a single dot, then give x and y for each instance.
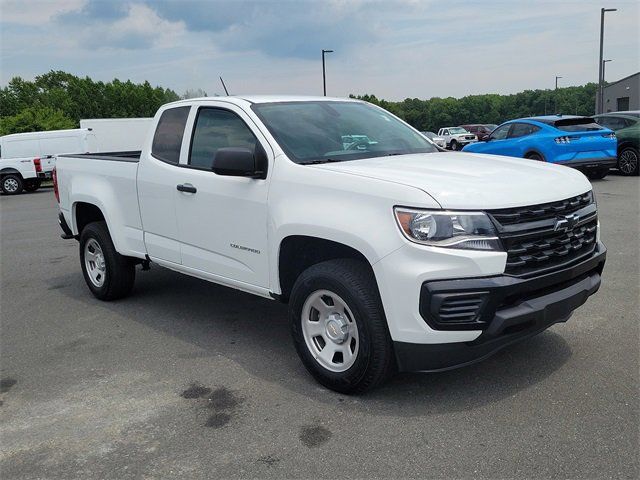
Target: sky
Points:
(394, 49)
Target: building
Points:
(622, 95)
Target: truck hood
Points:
(472, 181)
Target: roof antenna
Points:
(224, 86)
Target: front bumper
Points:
(513, 309)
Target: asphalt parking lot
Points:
(187, 378)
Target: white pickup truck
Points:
(456, 137)
(390, 254)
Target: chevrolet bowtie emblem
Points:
(566, 223)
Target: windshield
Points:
(314, 132)
(457, 130)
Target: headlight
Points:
(466, 230)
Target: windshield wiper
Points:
(323, 160)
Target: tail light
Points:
(54, 176)
(38, 164)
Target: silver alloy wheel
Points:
(94, 262)
(10, 185)
(330, 331)
(628, 162)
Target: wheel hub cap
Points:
(337, 329)
(330, 330)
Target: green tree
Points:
(34, 119)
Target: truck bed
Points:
(129, 156)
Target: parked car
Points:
(456, 137)
(28, 158)
(481, 131)
(392, 256)
(439, 141)
(573, 141)
(627, 128)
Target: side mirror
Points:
(240, 162)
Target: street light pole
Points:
(604, 64)
(324, 75)
(599, 106)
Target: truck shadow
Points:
(254, 333)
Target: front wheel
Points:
(339, 328)
(11, 184)
(108, 274)
(455, 145)
(628, 161)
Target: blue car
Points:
(574, 141)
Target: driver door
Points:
(222, 220)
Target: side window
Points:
(500, 133)
(216, 128)
(522, 130)
(168, 137)
(445, 132)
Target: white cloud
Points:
(36, 12)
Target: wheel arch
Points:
(536, 151)
(296, 253)
(84, 213)
(9, 171)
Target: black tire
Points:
(628, 161)
(11, 184)
(32, 184)
(454, 145)
(598, 174)
(534, 156)
(120, 271)
(352, 281)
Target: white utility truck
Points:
(28, 158)
(391, 254)
(112, 134)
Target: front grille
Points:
(551, 249)
(548, 236)
(511, 216)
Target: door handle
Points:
(186, 187)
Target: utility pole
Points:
(324, 75)
(600, 97)
(555, 96)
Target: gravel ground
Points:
(187, 378)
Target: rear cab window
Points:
(167, 139)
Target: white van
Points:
(118, 134)
(28, 158)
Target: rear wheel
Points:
(534, 156)
(339, 328)
(11, 184)
(108, 274)
(628, 161)
(32, 184)
(598, 174)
